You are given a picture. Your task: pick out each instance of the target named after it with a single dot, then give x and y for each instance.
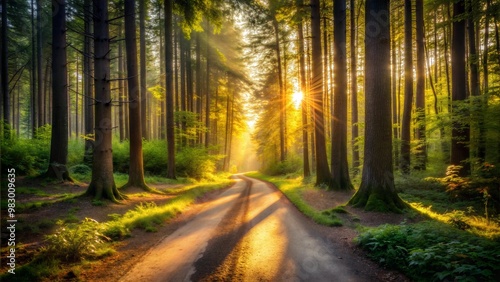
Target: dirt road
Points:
(251, 232)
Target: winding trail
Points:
(250, 232)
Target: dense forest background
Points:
(191, 88)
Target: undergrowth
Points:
(293, 186)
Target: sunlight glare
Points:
(297, 97)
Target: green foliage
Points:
(80, 169)
(121, 156)
(28, 157)
(155, 156)
(74, 242)
(293, 164)
(196, 163)
(434, 250)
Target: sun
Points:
(297, 97)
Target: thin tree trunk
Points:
(144, 91)
(169, 89)
(41, 104)
(5, 67)
(354, 90)
(34, 93)
(303, 88)
(87, 81)
(199, 92)
(406, 123)
(281, 98)
(207, 91)
(395, 116)
(421, 155)
(121, 87)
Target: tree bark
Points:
(136, 167)
(207, 91)
(59, 138)
(406, 122)
(144, 91)
(281, 92)
(340, 167)
(460, 135)
(323, 176)
(169, 89)
(303, 88)
(354, 90)
(102, 184)
(5, 63)
(377, 190)
(41, 104)
(421, 155)
(87, 83)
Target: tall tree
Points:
(377, 190)
(4, 77)
(169, 82)
(281, 91)
(87, 81)
(354, 89)
(406, 122)
(340, 167)
(39, 36)
(102, 184)
(59, 139)
(144, 90)
(460, 134)
(323, 175)
(421, 157)
(136, 165)
(303, 88)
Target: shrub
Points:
(121, 156)
(74, 242)
(291, 165)
(427, 249)
(80, 169)
(155, 156)
(196, 163)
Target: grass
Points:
(293, 187)
(74, 234)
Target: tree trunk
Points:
(121, 87)
(59, 139)
(395, 116)
(475, 90)
(144, 91)
(34, 107)
(340, 167)
(377, 191)
(207, 91)
(41, 104)
(5, 67)
(421, 155)
(136, 168)
(354, 90)
(460, 135)
(482, 130)
(162, 82)
(281, 94)
(87, 82)
(169, 89)
(406, 122)
(303, 88)
(199, 82)
(323, 176)
(103, 183)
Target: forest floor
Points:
(43, 205)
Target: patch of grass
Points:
(33, 271)
(31, 191)
(148, 215)
(293, 188)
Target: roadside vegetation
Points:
(453, 233)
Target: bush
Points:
(80, 169)
(121, 156)
(155, 157)
(427, 249)
(74, 242)
(27, 156)
(291, 165)
(196, 163)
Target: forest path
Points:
(251, 232)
